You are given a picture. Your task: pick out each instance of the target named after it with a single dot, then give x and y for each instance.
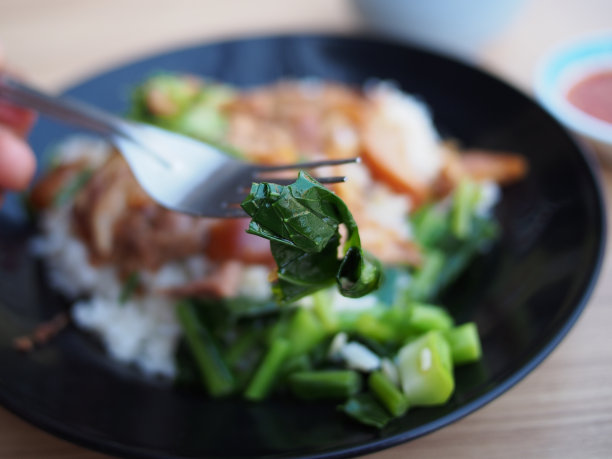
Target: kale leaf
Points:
(302, 222)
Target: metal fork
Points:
(178, 172)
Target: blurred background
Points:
(54, 43)
(60, 41)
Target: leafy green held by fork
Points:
(302, 222)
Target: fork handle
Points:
(64, 109)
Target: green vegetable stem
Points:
(268, 371)
(304, 331)
(464, 202)
(214, 373)
(365, 409)
(464, 343)
(425, 317)
(387, 393)
(324, 384)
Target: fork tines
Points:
(233, 209)
(308, 165)
(325, 180)
(261, 173)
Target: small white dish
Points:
(561, 70)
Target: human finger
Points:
(17, 119)
(17, 161)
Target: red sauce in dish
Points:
(593, 95)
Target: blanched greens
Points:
(302, 222)
(321, 352)
(185, 105)
(379, 361)
(450, 237)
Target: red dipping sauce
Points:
(593, 95)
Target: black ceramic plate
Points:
(524, 295)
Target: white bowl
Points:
(562, 69)
(459, 28)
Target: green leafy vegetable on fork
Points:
(302, 222)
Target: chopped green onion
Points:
(425, 370)
(214, 373)
(268, 371)
(464, 343)
(398, 316)
(387, 393)
(324, 384)
(375, 328)
(426, 317)
(389, 369)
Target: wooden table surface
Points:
(561, 410)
